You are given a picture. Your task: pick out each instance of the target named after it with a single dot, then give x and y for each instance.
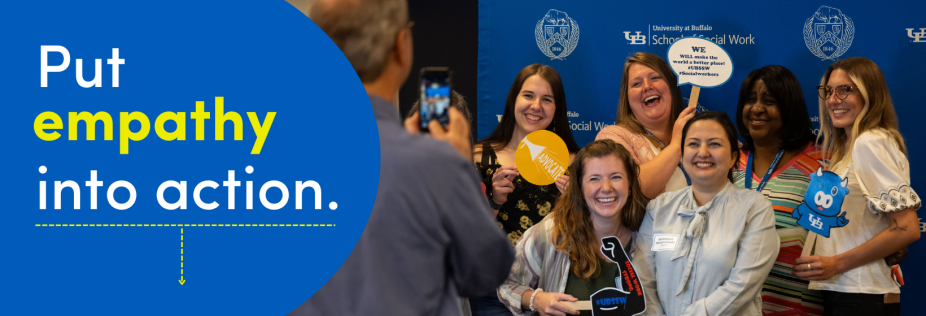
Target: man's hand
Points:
(456, 134)
(896, 258)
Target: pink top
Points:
(641, 150)
(637, 144)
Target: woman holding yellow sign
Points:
(536, 102)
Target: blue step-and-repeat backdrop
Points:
(603, 34)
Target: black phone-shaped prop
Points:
(435, 89)
(627, 298)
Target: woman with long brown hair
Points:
(558, 259)
(536, 101)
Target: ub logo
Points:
(918, 37)
(637, 39)
(828, 33)
(557, 34)
(822, 202)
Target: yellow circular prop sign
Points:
(542, 157)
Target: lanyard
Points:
(768, 173)
(687, 179)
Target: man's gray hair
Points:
(364, 30)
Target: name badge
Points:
(664, 242)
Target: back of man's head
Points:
(364, 30)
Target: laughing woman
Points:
(651, 114)
(712, 244)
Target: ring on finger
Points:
(809, 267)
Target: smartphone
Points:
(434, 96)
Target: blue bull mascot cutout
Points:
(627, 298)
(822, 203)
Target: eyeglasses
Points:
(842, 92)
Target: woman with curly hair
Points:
(558, 260)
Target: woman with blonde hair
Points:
(651, 114)
(558, 259)
(861, 139)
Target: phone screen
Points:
(435, 96)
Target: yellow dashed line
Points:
(174, 225)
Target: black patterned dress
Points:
(526, 206)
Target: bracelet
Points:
(495, 206)
(531, 306)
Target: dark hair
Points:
(573, 232)
(560, 124)
(625, 116)
(796, 131)
(724, 121)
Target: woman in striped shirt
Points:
(778, 161)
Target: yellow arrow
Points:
(181, 280)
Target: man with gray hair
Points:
(431, 237)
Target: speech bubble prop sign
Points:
(700, 62)
(542, 157)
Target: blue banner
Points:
(587, 42)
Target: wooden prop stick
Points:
(695, 92)
(808, 245)
(579, 306)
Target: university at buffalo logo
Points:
(557, 34)
(636, 39)
(917, 37)
(828, 33)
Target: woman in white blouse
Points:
(861, 138)
(706, 249)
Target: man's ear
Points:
(403, 48)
